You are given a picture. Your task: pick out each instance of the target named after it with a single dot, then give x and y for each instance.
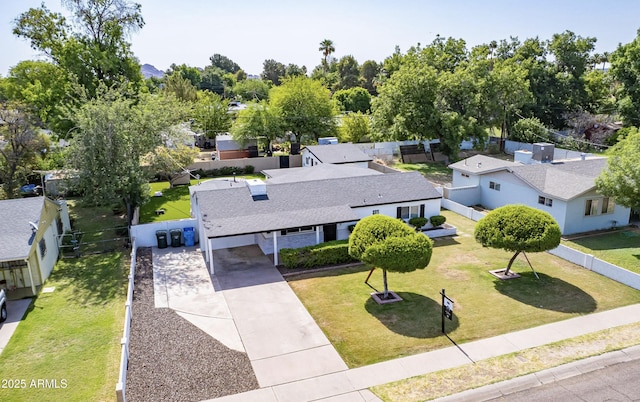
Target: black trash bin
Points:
(161, 236)
(176, 237)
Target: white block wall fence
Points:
(121, 385)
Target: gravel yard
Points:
(170, 359)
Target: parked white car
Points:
(3, 306)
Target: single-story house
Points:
(294, 212)
(319, 172)
(336, 154)
(565, 189)
(30, 230)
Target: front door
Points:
(329, 232)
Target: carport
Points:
(291, 228)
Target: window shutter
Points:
(399, 212)
(422, 210)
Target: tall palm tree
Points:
(326, 47)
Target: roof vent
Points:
(258, 189)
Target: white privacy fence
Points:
(594, 264)
(124, 356)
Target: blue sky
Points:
(250, 31)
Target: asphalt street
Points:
(618, 382)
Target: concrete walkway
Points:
(247, 303)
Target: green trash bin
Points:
(176, 237)
(161, 236)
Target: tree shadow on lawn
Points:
(547, 292)
(415, 316)
(445, 241)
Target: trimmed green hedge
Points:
(329, 253)
(437, 220)
(225, 171)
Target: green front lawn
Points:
(621, 247)
(364, 332)
(72, 335)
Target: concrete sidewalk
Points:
(15, 312)
(351, 385)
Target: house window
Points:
(296, 230)
(494, 186)
(409, 212)
(545, 201)
(599, 206)
(43, 247)
(376, 211)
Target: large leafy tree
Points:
(353, 99)
(114, 133)
(191, 73)
(348, 73)
(389, 244)
(257, 121)
(42, 87)
(94, 48)
(273, 71)
(305, 108)
(405, 107)
(251, 90)
(621, 179)
(355, 127)
(224, 63)
(20, 143)
(625, 68)
(210, 114)
(181, 87)
(369, 71)
(518, 228)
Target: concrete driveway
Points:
(248, 306)
(15, 312)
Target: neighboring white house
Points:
(299, 211)
(30, 229)
(336, 154)
(565, 189)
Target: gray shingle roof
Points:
(481, 164)
(564, 180)
(232, 211)
(15, 231)
(318, 172)
(338, 153)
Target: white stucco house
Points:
(337, 154)
(565, 189)
(30, 230)
(296, 210)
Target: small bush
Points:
(249, 169)
(493, 149)
(437, 220)
(330, 253)
(418, 222)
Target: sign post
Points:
(447, 308)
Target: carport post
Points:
(275, 247)
(210, 254)
(317, 234)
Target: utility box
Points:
(543, 152)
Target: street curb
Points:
(546, 376)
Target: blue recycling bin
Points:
(189, 236)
